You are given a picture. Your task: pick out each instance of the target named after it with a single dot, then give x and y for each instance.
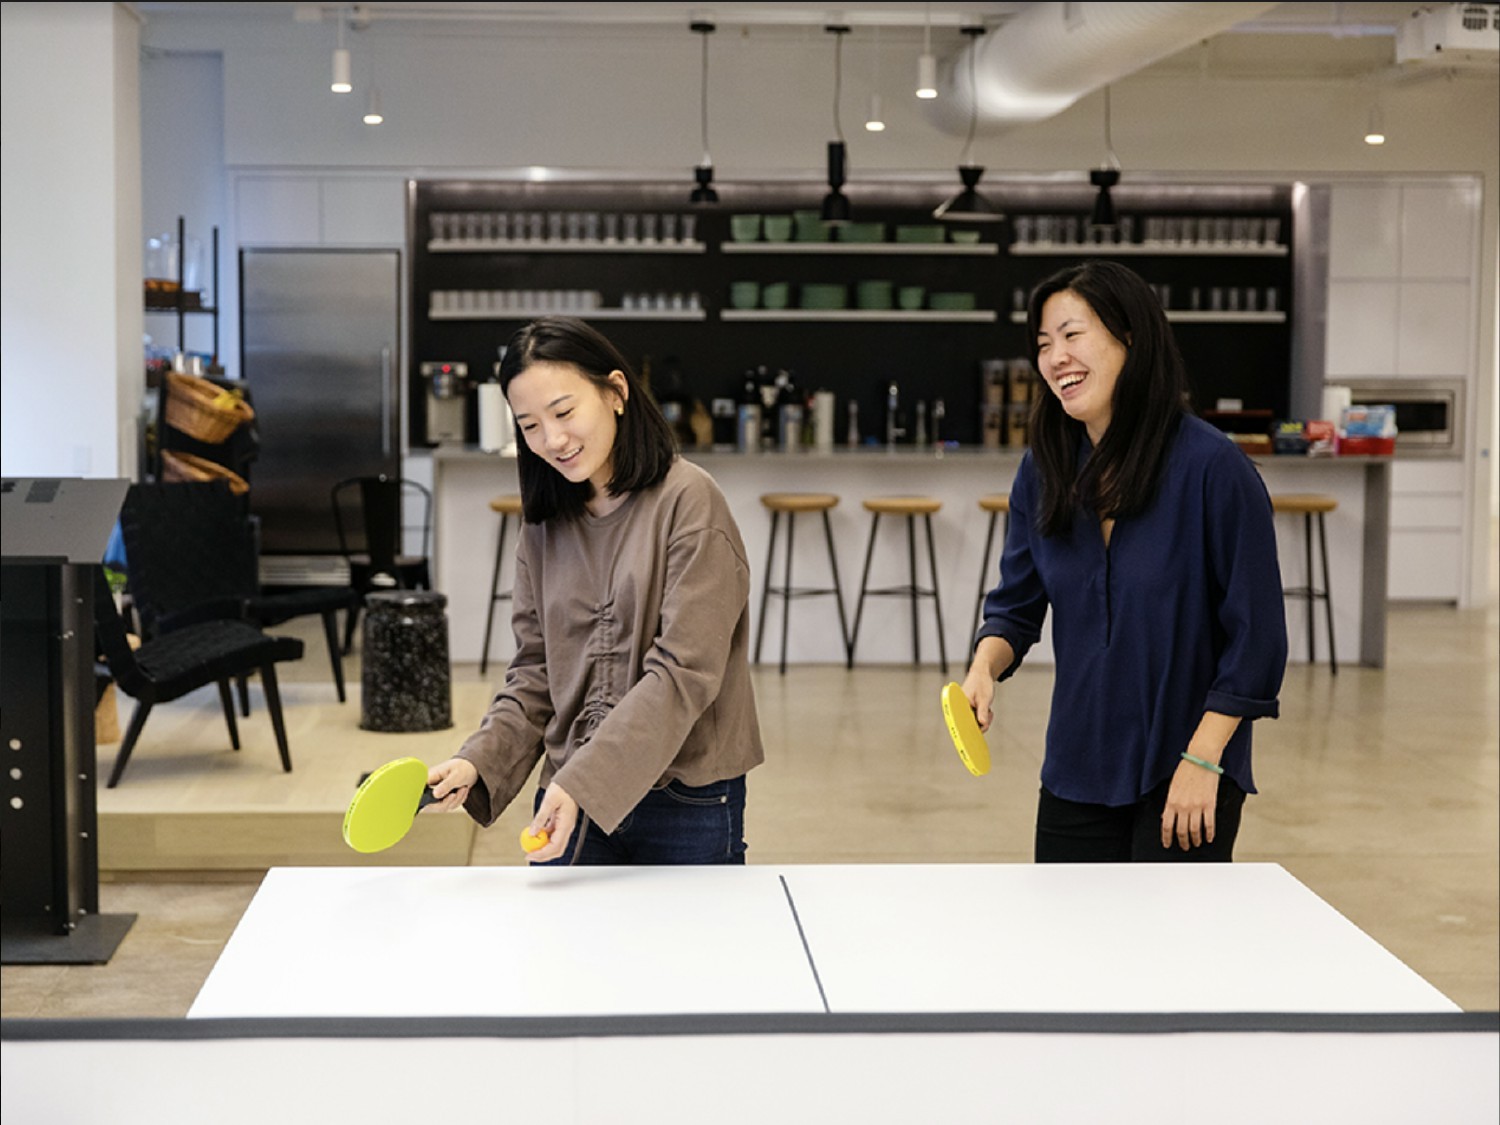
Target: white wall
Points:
(70, 318)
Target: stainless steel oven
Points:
(1429, 413)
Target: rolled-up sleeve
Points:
(1250, 609)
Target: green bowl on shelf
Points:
(910, 297)
(809, 226)
(919, 234)
(862, 232)
(822, 296)
(958, 234)
(776, 295)
(951, 302)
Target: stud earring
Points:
(620, 411)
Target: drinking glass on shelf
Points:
(689, 227)
(554, 226)
(574, 225)
(502, 226)
(439, 224)
(630, 225)
(535, 221)
(1234, 299)
(591, 226)
(1271, 232)
(669, 228)
(1271, 298)
(648, 226)
(1024, 230)
(611, 227)
(1205, 232)
(1216, 299)
(1221, 231)
(1252, 299)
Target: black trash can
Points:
(406, 679)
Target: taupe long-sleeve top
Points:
(632, 665)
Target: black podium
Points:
(53, 533)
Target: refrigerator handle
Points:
(385, 401)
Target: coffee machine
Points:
(447, 398)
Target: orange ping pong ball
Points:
(530, 843)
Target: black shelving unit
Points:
(178, 307)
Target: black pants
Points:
(1071, 832)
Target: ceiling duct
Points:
(1049, 55)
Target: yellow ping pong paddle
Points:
(964, 728)
(385, 805)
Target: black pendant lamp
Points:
(704, 193)
(836, 207)
(1103, 216)
(968, 206)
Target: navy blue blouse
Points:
(1182, 613)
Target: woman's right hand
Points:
(979, 684)
(451, 782)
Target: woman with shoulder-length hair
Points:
(1149, 536)
(631, 613)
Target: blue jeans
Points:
(676, 824)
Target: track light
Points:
(836, 207)
(704, 173)
(926, 63)
(341, 83)
(968, 206)
(373, 116)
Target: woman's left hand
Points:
(557, 815)
(1189, 813)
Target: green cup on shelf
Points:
(776, 295)
(873, 294)
(817, 295)
(744, 294)
(952, 302)
(910, 297)
(778, 228)
(744, 228)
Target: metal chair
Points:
(368, 517)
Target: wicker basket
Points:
(179, 466)
(202, 410)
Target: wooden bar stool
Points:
(792, 503)
(997, 505)
(1311, 505)
(505, 506)
(910, 507)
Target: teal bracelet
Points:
(1204, 762)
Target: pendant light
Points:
(1104, 178)
(926, 62)
(373, 115)
(968, 206)
(1375, 126)
(874, 122)
(836, 204)
(704, 173)
(341, 83)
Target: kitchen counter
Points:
(464, 546)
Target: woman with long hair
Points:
(631, 677)
(1148, 535)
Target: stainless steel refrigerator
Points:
(320, 336)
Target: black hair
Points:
(1150, 397)
(644, 445)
